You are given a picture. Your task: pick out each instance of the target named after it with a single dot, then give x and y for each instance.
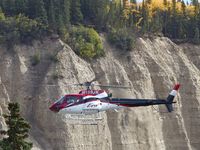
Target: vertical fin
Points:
(171, 96)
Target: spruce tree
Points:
(174, 20)
(41, 13)
(61, 26)
(36, 10)
(165, 17)
(111, 17)
(88, 8)
(182, 21)
(101, 13)
(196, 39)
(145, 16)
(9, 7)
(66, 11)
(21, 6)
(17, 130)
(51, 15)
(76, 14)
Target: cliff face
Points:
(151, 68)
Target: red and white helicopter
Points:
(94, 101)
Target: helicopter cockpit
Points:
(67, 99)
(71, 99)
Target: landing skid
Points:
(82, 119)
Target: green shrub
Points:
(86, 42)
(29, 29)
(122, 39)
(87, 50)
(20, 29)
(35, 59)
(54, 58)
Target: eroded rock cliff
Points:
(151, 68)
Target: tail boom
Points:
(147, 102)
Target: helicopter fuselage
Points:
(89, 107)
(84, 103)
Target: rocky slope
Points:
(151, 68)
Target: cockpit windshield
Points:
(60, 100)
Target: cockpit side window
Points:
(71, 99)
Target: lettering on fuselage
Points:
(92, 105)
(93, 92)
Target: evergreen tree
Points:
(51, 15)
(66, 11)
(57, 12)
(156, 24)
(61, 29)
(17, 130)
(21, 6)
(76, 14)
(196, 39)
(145, 16)
(36, 10)
(174, 24)
(101, 12)
(197, 13)
(9, 7)
(1, 3)
(112, 16)
(165, 17)
(87, 8)
(182, 21)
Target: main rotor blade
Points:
(67, 85)
(113, 86)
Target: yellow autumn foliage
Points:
(159, 5)
(190, 10)
(154, 7)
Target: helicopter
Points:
(90, 101)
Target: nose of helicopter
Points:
(53, 108)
